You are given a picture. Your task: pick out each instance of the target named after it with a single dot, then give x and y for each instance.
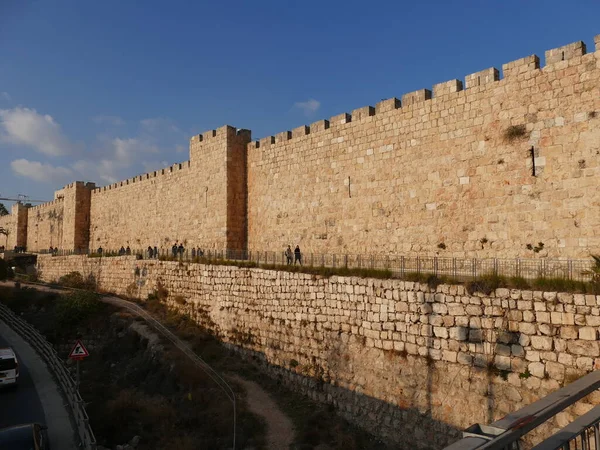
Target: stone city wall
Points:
(7, 223)
(412, 364)
(15, 227)
(195, 202)
(45, 225)
(447, 171)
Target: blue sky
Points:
(101, 91)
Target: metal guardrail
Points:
(44, 349)
(458, 268)
(505, 434)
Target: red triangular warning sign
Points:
(79, 351)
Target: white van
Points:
(9, 367)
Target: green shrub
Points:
(486, 284)
(76, 280)
(562, 285)
(76, 307)
(518, 283)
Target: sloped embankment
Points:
(133, 383)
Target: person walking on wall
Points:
(121, 251)
(155, 251)
(128, 250)
(181, 250)
(150, 252)
(289, 254)
(297, 255)
(174, 249)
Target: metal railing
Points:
(581, 434)
(45, 350)
(505, 434)
(398, 265)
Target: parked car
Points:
(31, 436)
(9, 367)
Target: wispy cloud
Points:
(159, 123)
(107, 159)
(24, 126)
(5, 96)
(109, 120)
(44, 173)
(309, 107)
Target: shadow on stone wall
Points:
(400, 427)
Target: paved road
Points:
(20, 405)
(37, 398)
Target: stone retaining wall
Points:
(410, 363)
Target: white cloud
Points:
(24, 126)
(110, 120)
(158, 123)
(151, 166)
(309, 107)
(5, 96)
(40, 172)
(119, 154)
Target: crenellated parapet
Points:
(474, 82)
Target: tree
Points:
(3, 210)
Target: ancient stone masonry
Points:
(486, 167)
(410, 363)
(15, 227)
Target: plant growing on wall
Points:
(3, 210)
(514, 133)
(594, 272)
(536, 249)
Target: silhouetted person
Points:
(128, 250)
(121, 251)
(193, 252)
(100, 250)
(155, 252)
(289, 254)
(297, 255)
(150, 252)
(181, 250)
(174, 249)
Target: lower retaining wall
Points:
(411, 364)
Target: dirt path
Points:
(280, 430)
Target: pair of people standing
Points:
(296, 254)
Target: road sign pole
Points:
(77, 380)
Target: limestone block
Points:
(541, 342)
(482, 78)
(362, 113)
(458, 333)
(555, 371)
(502, 362)
(300, 131)
(521, 66)
(565, 52)
(587, 334)
(464, 358)
(502, 350)
(569, 332)
(585, 348)
(387, 105)
(447, 87)
(416, 97)
(537, 369)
